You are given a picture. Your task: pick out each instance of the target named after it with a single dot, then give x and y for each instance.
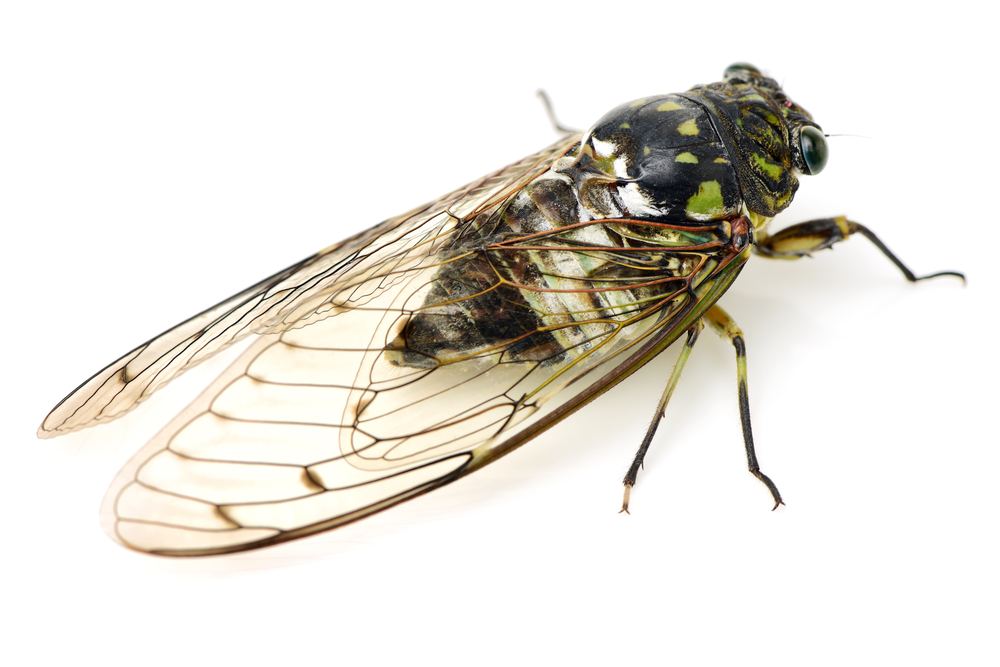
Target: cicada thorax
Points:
(659, 159)
(625, 228)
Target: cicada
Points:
(416, 352)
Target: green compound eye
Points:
(740, 67)
(814, 150)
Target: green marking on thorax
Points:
(688, 128)
(645, 150)
(690, 158)
(721, 160)
(669, 106)
(638, 102)
(624, 126)
(707, 202)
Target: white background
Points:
(157, 158)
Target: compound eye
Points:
(812, 145)
(740, 68)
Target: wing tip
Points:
(49, 430)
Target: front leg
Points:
(805, 238)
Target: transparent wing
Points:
(283, 299)
(387, 366)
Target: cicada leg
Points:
(556, 125)
(633, 471)
(726, 327)
(805, 238)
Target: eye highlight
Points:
(815, 152)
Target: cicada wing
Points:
(321, 424)
(360, 387)
(123, 384)
(317, 426)
(284, 299)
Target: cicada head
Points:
(772, 138)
